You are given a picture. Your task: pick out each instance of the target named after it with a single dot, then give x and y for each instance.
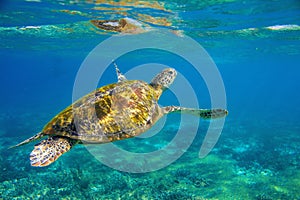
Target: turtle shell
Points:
(113, 112)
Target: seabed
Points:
(241, 166)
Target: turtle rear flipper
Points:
(120, 76)
(47, 151)
(203, 113)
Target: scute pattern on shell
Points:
(113, 112)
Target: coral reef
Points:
(246, 167)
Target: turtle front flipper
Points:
(203, 113)
(48, 151)
(213, 113)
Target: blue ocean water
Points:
(254, 44)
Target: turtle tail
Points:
(35, 137)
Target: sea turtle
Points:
(113, 112)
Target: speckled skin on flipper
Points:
(113, 112)
(47, 151)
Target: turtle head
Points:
(164, 79)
